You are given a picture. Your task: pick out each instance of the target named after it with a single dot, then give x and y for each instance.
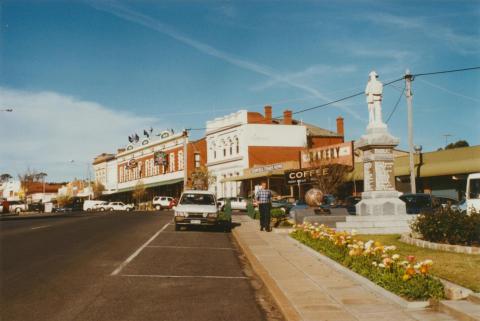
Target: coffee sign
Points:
(304, 176)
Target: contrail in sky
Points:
(126, 13)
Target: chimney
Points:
(268, 114)
(287, 117)
(340, 129)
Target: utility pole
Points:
(185, 158)
(446, 139)
(408, 93)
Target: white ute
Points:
(473, 193)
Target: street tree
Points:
(5, 177)
(201, 179)
(139, 192)
(329, 177)
(98, 189)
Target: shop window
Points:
(180, 160)
(231, 150)
(171, 162)
(197, 160)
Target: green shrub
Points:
(446, 225)
(417, 287)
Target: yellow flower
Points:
(406, 277)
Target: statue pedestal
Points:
(380, 211)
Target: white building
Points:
(244, 139)
(10, 190)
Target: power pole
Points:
(446, 139)
(185, 159)
(408, 93)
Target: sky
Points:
(83, 75)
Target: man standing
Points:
(264, 200)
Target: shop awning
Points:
(440, 163)
(162, 183)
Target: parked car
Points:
(161, 202)
(76, 206)
(196, 208)
(419, 203)
(446, 201)
(119, 206)
(283, 204)
(17, 207)
(36, 207)
(93, 205)
(472, 198)
(237, 203)
(350, 203)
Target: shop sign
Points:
(304, 176)
(332, 154)
(160, 158)
(266, 168)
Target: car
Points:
(446, 202)
(472, 195)
(93, 205)
(419, 203)
(17, 207)
(283, 204)
(161, 202)
(36, 207)
(350, 203)
(196, 208)
(119, 206)
(236, 203)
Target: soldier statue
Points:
(374, 92)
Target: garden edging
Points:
(439, 246)
(413, 305)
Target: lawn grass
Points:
(462, 269)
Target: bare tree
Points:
(201, 179)
(139, 191)
(329, 176)
(26, 179)
(98, 189)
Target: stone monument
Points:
(380, 210)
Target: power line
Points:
(362, 93)
(396, 105)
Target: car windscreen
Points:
(474, 188)
(197, 199)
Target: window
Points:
(180, 160)
(231, 150)
(152, 167)
(147, 167)
(224, 152)
(171, 162)
(214, 154)
(197, 160)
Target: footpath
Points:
(307, 289)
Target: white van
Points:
(93, 205)
(472, 198)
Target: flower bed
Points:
(379, 263)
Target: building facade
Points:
(244, 140)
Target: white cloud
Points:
(128, 14)
(48, 129)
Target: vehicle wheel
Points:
(158, 207)
(111, 209)
(177, 227)
(17, 210)
(102, 209)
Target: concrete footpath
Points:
(307, 289)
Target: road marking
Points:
(183, 276)
(43, 226)
(191, 247)
(131, 257)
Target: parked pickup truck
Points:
(17, 207)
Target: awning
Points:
(162, 183)
(440, 163)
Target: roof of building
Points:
(103, 157)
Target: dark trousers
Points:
(264, 215)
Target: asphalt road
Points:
(124, 266)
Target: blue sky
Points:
(84, 75)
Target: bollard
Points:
(228, 210)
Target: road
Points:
(124, 266)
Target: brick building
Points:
(244, 140)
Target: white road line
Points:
(131, 257)
(191, 247)
(43, 226)
(183, 276)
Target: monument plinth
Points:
(380, 211)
